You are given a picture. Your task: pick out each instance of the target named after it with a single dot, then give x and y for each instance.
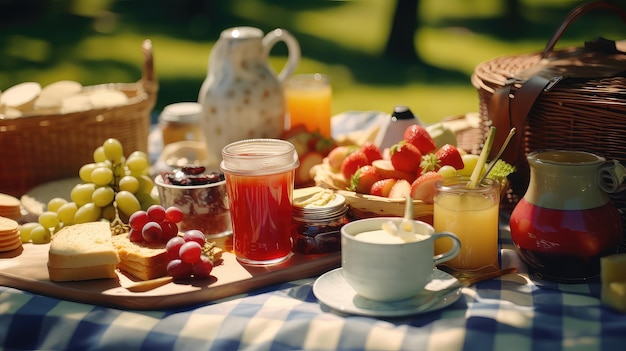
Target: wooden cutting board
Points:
(26, 269)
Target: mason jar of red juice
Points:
(259, 181)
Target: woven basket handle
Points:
(576, 13)
(148, 78)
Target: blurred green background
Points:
(99, 41)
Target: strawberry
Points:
(293, 131)
(429, 163)
(418, 136)
(448, 155)
(362, 180)
(382, 187)
(423, 188)
(311, 143)
(318, 143)
(338, 154)
(300, 146)
(372, 151)
(385, 169)
(405, 157)
(353, 162)
(400, 190)
(307, 161)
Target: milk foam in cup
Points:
(381, 265)
(384, 236)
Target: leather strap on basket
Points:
(509, 107)
(506, 113)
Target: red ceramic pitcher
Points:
(566, 221)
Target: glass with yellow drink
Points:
(471, 214)
(309, 98)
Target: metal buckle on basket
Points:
(553, 82)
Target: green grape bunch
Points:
(112, 187)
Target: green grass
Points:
(100, 42)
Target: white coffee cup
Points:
(391, 271)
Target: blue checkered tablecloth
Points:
(509, 314)
(515, 312)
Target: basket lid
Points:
(588, 62)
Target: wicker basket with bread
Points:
(48, 132)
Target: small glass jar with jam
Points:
(318, 215)
(181, 121)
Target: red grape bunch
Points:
(186, 256)
(155, 225)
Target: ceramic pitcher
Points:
(242, 96)
(566, 221)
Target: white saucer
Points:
(334, 291)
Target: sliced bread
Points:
(141, 260)
(87, 246)
(82, 273)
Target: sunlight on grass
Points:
(472, 47)
(27, 49)
(89, 8)
(359, 25)
(431, 11)
(430, 103)
(343, 39)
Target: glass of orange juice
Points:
(309, 99)
(471, 214)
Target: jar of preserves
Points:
(181, 121)
(318, 215)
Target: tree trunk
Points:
(401, 40)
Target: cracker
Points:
(10, 207)
(8, 225)
(11, 213)
(9, 201)
(11, 246)
(4, 239)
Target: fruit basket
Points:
(36, 149)
(470, 135)
(365, 205)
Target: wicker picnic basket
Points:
(570, 99)
(35, 149)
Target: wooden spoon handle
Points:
(487, 276)
(147, 285)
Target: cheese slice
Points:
(613, 275)
(614, 295)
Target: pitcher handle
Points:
(450, 254)
(293, 49)
(611, 176)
